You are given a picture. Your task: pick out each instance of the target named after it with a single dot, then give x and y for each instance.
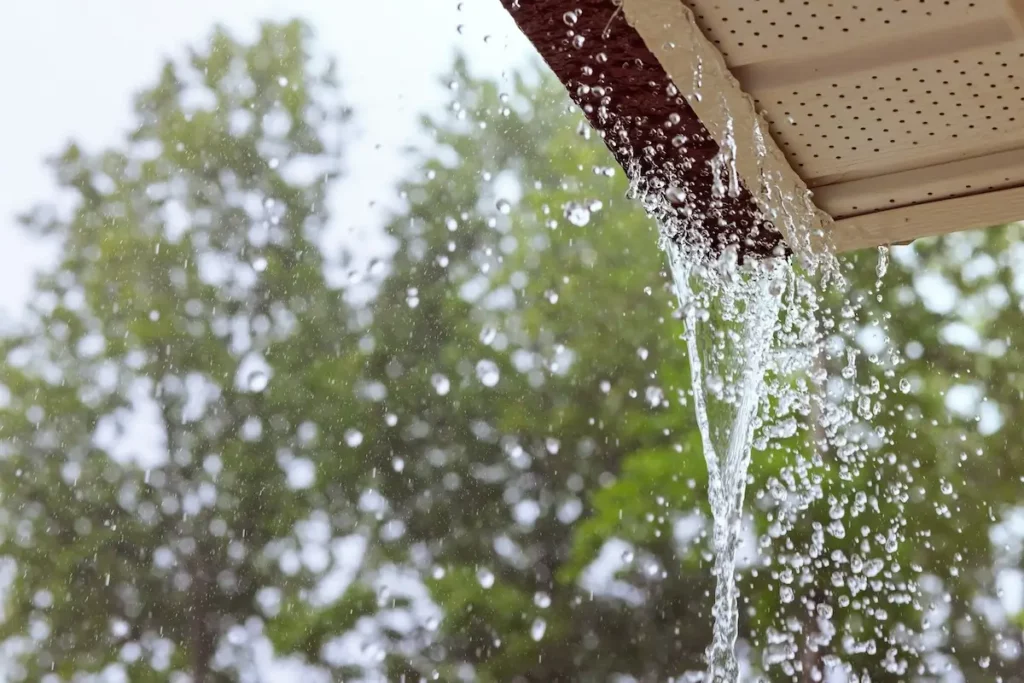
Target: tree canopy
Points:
(473, 460)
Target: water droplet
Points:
(538, 628)
(487, 372)
(282, 81)
(353, 437)
(257, 380)
(154, 315)
(946, 487)
(883, 262)
(438, 572)
(485, 577)
(259, 264)
(503, 206)
(905, 385)
(578, 41)
(577, 214)
(542, 599)
(627, 556)
(570, 18)
(441, 384)
(398, 464)
(487, 335)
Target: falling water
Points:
(730, 314)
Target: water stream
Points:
(730, 316)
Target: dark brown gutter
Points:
(628, 98)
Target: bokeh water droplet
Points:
(257, 380)
(441, 384)
(353, 437)
(538, 628)
(577, 214)
(487, 372)
(485, 577)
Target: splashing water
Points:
(730, 315)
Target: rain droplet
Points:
(905, 385)
(441, 384)
(538, 628)
(154, 315)
(542, 599)
(487, 372)
(353, 437)
(503, 206)
(398, 464)
(628, 556)
(487, 335)
(883, 262)
(570, 18)
(282, 81)
(577, 214)
(259, 264)
(485, 577)
(257, 380)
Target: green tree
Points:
(188, 304)
(489, 439)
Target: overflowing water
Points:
(766, 363)
(730, 315)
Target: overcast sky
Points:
(72, 66)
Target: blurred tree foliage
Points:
(473, 460)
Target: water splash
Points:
(730, 315)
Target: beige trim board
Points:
(896, 190)
(927, 220)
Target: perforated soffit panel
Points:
(905, 118)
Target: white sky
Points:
(72, 66)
